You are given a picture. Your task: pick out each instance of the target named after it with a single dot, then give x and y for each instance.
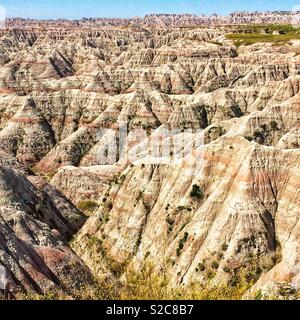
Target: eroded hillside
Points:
(148, 144)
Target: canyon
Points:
(157, 140)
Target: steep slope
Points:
(181, 147)
(205, 218)
(36, 222)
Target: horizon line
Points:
(152, 14)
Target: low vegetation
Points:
(196, 192)
(264, 134)
(87, 206)
(277, 34)
(181, 244)
(146, 284)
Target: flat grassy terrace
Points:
(277, 34)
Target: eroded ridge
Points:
(166, 144)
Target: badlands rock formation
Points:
(164, 20)
(182, 148)
(36, 223)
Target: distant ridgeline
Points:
(180, 20)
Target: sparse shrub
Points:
(106, 218)
(122, 178)
(181, 244)
(210, 275)
(138, 242)
(170, 223)
(226, 269)
(215, 264)
(274, 125)
(201, 266)
(249, 138)
(196, 192)
(224, 247)
(258, 134)
(264, 127)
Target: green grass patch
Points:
(277, 34)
